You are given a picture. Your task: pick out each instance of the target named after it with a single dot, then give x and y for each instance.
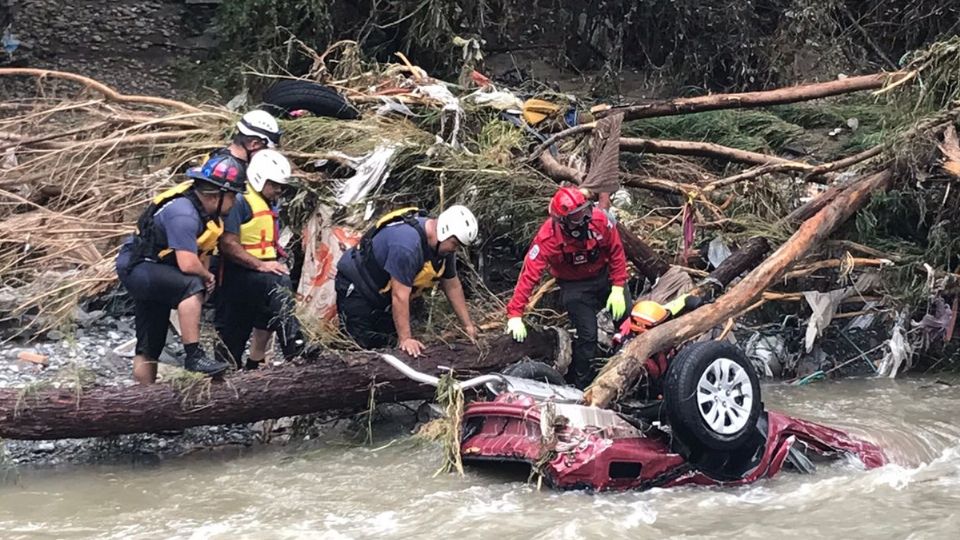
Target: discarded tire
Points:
(292, 95)
(712, 396)
(534, 371)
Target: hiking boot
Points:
(200, 363)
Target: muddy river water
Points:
(328, 489)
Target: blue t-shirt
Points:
(181, 224)
(397, 249)
(239, 214)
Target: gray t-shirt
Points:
(397, 249)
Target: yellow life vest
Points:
(258, 236)
(207, 240)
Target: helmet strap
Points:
(223, 194)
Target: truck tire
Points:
(294, 94)
(712, 396)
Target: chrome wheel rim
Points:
(725, 396)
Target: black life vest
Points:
(150, 242)
(370, 278)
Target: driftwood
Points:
(624, 369)
(107, 92)
(642, 256)
(766, 98)
(328, 382)
(713, 102)
(708, 150)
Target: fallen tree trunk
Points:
(624, 369)
(708, 150)
(642, 256)
(749, 255)
(328, 382)
(107, 92)
(779, 96)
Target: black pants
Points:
(369, 323)
(249, 299)
(156, 288)
(583, 300)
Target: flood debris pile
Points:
(853, 180)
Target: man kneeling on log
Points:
(403, 254)
(256, 293)
(165, 265)
(581, 247)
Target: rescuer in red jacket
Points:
(581, 248)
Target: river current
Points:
(329, 489)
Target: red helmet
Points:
(565, 201)
(571, 209)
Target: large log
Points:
(642, 256)
(708, 150)
(624, 369)
(328, 382)
(713, 102)
(766, 98)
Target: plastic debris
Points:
(500, 100)
(717, 252)
(900, 351)
(393, 106)
(239, 102)
(767, 353)
(10, 42)
(824, 306)
(538, 110)
(371, 172)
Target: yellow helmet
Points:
(646, 314)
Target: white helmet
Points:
(457, 221)
(261, 124)
(267, 165)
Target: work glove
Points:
(617, 302)
(517, 329)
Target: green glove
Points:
(617, 302)
(517, 329)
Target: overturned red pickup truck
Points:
(703, 423)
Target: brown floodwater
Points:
(329, 489)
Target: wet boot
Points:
(201, 363)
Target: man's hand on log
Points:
(412, 347)
(471, 331)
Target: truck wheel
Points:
(293, 94)
(712, 396)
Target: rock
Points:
(46, 446)
(85, 318)
(55, 335)
(97, 38)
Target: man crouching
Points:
(165, 264)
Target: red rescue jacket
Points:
(570, 260)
